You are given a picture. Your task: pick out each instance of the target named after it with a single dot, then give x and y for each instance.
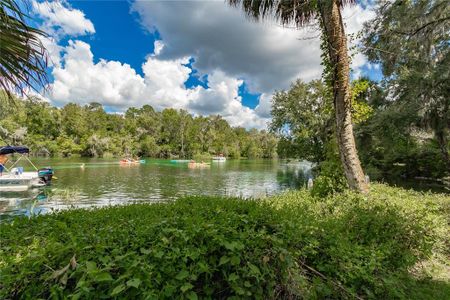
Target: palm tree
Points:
(328, 12)
(23, 59)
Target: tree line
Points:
(92, 132)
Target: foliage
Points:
(331, 179)
(90, 131)
(368, 242)
(330, 176)
(361, 110)
(23, 59)
(409, 39)
(391, 140)
(304, 114)
(289, 246)
(393, 144)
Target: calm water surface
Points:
(104, 182)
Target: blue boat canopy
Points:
(14, 149)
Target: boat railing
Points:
(21, 156)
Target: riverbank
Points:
(287, 246)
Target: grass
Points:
(292, 246)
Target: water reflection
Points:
(105, 182)
(294, 175)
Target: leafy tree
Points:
(304, 115)
(67, 147)
(409, 39)
(336, 60)
(23, 58)
(42, 119)
(148, 147)
(96, 146)
(392, 144)
(74, 121)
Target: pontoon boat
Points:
(219, 158)
(13, 178)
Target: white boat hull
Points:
(20, 182)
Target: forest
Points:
(90, 131)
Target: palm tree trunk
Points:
(337, 46)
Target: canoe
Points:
(180, 161)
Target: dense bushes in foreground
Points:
(289, 246)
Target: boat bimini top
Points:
(14, 149)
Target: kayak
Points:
(129, 162)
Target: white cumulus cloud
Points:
(60, 19)
(354, 18)
(268, 56)
(265, 54)
(226, 46)
(79, 79)
(265, 105)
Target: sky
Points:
(201, 56)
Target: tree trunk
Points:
(441, 126)
(441, 137)
(337, 50)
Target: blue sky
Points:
(135, 43)
(118, 34)
(178, 54)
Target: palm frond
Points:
(287, 12)
(23, 58)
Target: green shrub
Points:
(202, 156)
(368, 243)
(289, 246)
(331, 179)
(196, 246)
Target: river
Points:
(104, 182)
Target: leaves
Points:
(62, 274)
(73, 262)
(223, 260)
(135, 282)
(225, 248)
(186, 287)
(23, 59)
(303, 116)
(254, 269)
(103, 276)
(409, 40)
(294, 13)
(91, 266)
(182, 275)
(90, 131)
